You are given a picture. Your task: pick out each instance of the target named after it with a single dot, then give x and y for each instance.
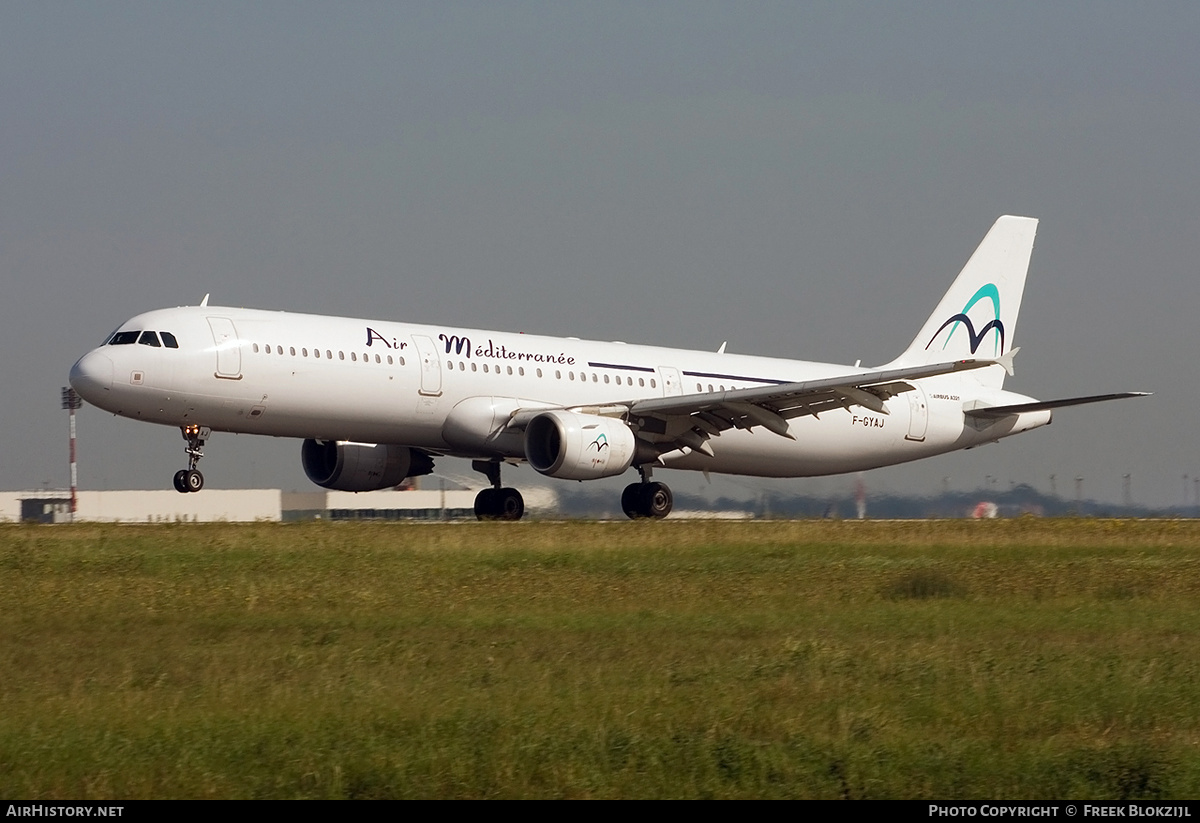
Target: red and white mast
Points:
(72, 401)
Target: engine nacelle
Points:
(361, 467)
(578, 446)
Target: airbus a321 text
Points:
(376, 402)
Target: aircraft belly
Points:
(836, 443)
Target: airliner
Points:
(376, 402)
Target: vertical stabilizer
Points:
(978, 315)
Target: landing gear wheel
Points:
(647, 500)
(656, 500)
(193, 480)
(510, 504)
(499, 504)
(485, 504)
(496, 503)
(631, 501)
(190, 480)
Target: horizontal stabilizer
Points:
(992, 412)
(1007, 360)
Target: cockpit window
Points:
(169, 340)
(149, 338)
(124, 338)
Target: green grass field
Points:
(1006, 659)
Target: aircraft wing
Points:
(689, 420)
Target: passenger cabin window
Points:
(169, 340)
(124, 338)
(149, 338)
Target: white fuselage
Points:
(333, 378)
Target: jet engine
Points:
(361, 467)
(578, 446)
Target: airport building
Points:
(249, 505)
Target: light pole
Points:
(72, 401)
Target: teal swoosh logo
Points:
(986, 291)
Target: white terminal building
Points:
(249, 505)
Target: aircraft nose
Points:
(92, 376)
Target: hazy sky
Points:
(800, 179)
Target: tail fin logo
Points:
(990, 292)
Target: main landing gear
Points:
(189, 479)
(646, 499)
(496, 503)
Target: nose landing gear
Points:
(189, 479)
